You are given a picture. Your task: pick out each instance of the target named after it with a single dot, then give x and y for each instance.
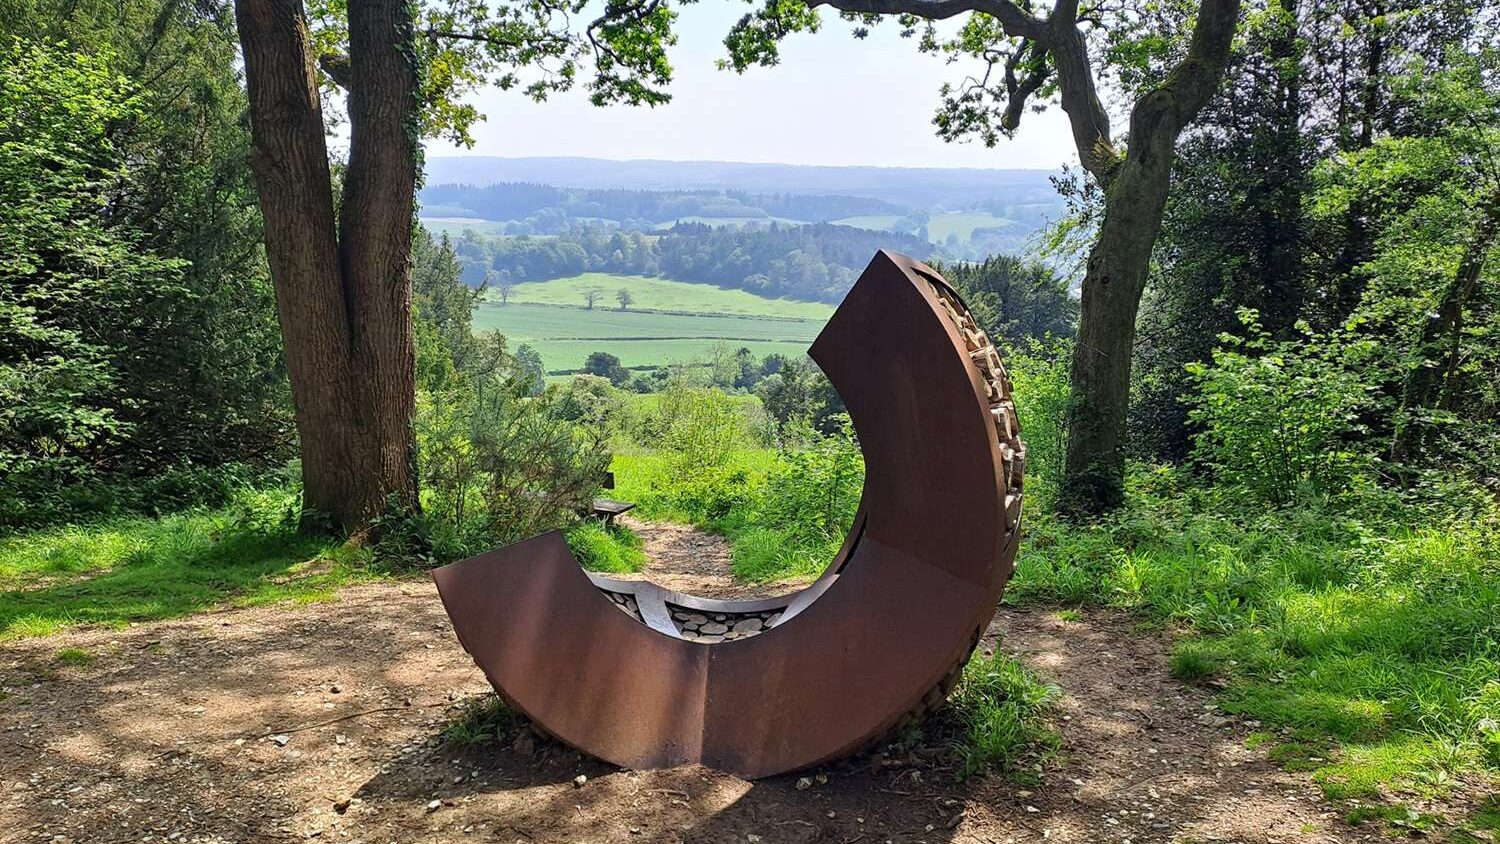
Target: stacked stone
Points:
(626, 603)
(710, 627)
(998, 390)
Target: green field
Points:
(963, 224)
(454, 226)
(873, 222)
(565, 334)
(659, 294)
(939, 226)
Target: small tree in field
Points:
(502, 283)
(591, 297)
(624, 298)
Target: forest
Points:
(812, 262)
(245, 409)
(511, 201)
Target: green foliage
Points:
(69, 281)
(1381, 635)
(139, 339)
(501, 464)
(482, 721)
(140, 569)
(607, 366)
(613, 549)
(796, 524)
(1015, 301)
(1280, 419)
(1003, 706)
(1039, 373)
(534, 46)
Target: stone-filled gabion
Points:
(710, 627)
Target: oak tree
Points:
(1031, 57)
(339, 251)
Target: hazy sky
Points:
(832, 100)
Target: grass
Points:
(564, 336)
(481, 721)
(563, 356)
(615, 549)
(660, 294)
(963, 224)
(939, 226)
(1374, 645)
(873, 222)
(996, 719)
(76, 657)
(142, 569)
(455, 226)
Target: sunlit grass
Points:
(1003, 707)
(1381, 639)
(146, 568)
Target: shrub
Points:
(1039, 372)
(501, 464)
(1279, 418)
(797, 523)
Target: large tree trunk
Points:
(343, 302)
(1135, 195)
(1113, 284)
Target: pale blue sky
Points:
(832, 100)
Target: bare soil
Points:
(324, 721)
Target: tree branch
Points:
(1018, 91)
(1016, 21)
(1173, 104)
(336, 67)
(1080, 95)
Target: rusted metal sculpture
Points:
(643, 677)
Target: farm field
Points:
(660, 294)
(873, 222)
(960, 223)
(564, 336)
(963, 224)
(454, 226)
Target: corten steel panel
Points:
(894, 615)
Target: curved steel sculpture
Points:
(643, 677)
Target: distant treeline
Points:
(815, 262)
(542, 209)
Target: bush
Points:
(1279, 419)
(501, 464)
(797, 523)
(1039, 373)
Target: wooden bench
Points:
(608, 508)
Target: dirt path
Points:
(685, 559)
(222, 728)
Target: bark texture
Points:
(343, 290)
(1135, 190)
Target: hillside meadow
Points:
(669, 322)
(660, 294)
